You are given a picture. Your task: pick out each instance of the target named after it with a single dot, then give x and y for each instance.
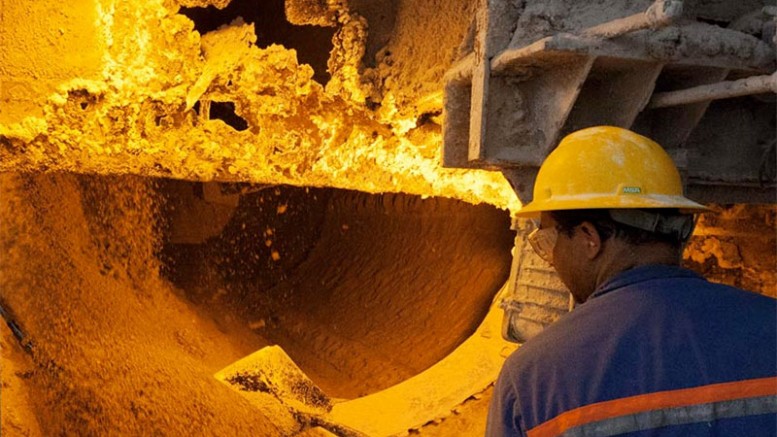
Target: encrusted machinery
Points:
(656, 71)
(538, 70)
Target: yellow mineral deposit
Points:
(126, 89)
(108, 87)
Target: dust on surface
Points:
(468, 419)
(114, 346)
(249, 382)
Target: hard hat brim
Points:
(563, 203)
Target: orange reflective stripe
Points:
(655, 401)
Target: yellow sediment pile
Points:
(114, 348)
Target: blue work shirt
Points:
(655, 351)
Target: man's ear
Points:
(591, 240)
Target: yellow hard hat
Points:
(608, 167)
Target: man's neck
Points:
(621, 256)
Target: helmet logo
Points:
(632, 190)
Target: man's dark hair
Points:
(567, 220)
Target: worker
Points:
(651, 349)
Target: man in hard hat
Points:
(651, 349)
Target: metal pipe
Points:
(721, 90)
(659, 14)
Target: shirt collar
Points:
(641, 274)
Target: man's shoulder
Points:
(657, 284)
(556, 342)
(625, 313)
